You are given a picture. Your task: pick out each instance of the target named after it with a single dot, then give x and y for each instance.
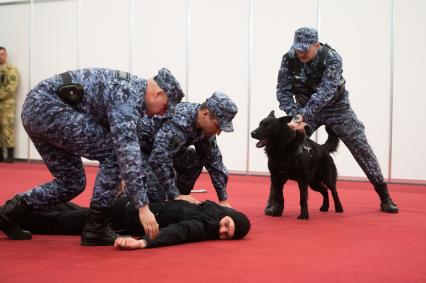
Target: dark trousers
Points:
(61, 219)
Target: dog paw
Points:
(303, 217)
(324, 208)
(339, 209)
(274, 211)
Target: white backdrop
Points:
(236, 46)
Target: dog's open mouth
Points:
(261, 143)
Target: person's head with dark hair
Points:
(3, 55)
(233, 225)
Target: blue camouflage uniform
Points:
(147, 129)
(176, 164)
(101, 127)
(320, 96)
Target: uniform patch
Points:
(122, 75)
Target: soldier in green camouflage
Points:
(9, 78)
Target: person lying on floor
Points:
(180, 222)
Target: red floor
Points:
(360, 245)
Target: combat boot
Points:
(10, 214)
(97, 231)
(10, 155)
(386, 203)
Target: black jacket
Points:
(180, 221)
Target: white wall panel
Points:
(14, 35)
(218, 60)
(207, 45)
(274, 23)
(105, 34)
(54, 42)
(159, 43)
(409, 135)
(360, 33)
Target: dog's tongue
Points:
(261, 143)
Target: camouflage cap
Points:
(223, 108)
(304, 38)
(167, 82)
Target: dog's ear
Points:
(286, 119)
(272, 114)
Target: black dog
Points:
(293, 156)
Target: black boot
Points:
(10, 155)
(10, 214)
(386, 203)
(1, 155)
(97, 231)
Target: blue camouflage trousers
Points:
(62, 136)
(343, 121)
(188, 167)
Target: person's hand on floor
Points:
(129, 243)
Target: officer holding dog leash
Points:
(91, 113)
(311, 88)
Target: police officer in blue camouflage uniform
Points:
(91, 113)
(176, 164)
(311, 88)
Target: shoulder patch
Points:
(122, 75)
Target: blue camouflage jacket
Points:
(177, 134)
(115, 100)
(325, 92)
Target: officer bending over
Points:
(91, 113)
(175, 164)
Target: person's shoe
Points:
(10, 214)
(389, 206)
(10, 155)
(97, 231)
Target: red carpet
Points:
(360, 245)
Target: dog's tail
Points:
(332, 141)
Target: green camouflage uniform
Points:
(9, 78)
